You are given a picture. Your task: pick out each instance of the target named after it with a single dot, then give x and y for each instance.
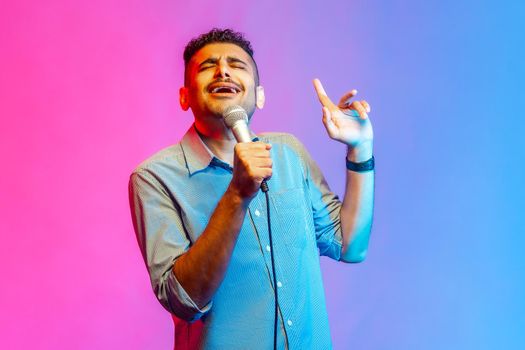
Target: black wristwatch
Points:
(361, 167)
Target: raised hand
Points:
(348, 121)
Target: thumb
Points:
(329, 122)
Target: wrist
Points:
(360, 153)
(236, 197)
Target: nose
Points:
(222, 70)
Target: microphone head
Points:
(233, 114)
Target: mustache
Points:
(227, 80)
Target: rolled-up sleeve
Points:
(162, 239)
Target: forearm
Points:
(357, 208)
(201, 269)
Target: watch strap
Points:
(361, 167)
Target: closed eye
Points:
(236, 62)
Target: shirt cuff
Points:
(181, 303)
(334, 248)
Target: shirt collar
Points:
(198, 156)
(195, 151)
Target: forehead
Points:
(218, 50)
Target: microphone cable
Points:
(236, 119)
(264, 188)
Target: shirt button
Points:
(268, 248)
(257, 212)
(289, 323)
(279, 284)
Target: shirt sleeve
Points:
(161, 236)
(326, 206)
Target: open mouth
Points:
(226, 89)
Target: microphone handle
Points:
(242, 134)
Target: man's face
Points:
(220, 75)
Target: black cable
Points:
(273, 271)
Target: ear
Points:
(184, 98)
(259, 97)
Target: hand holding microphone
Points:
(252, 163)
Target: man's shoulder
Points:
(279, 138)
(169, 156)
(284, 139)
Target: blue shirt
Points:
(172, 196)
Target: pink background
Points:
(89, 89)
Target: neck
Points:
(219, 140)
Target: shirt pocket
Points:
(294, 217)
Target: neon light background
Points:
(89, 89)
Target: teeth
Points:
(229, 89)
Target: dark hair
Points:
(217, 35)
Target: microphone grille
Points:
(233, 114)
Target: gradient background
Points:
(88, 89)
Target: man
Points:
(201, 219)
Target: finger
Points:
(328, 121)
(268, 146)
(351, 112)
(260, 149)
(267, 173)
(359, 107)
(260, 145)
(254, 154)
(262, 173)
(263, 162)
(321, 94)
(261, 154)
(366, 105)
(344, 100)
(252, 146)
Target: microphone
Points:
(236, 118)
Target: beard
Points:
(216, 106)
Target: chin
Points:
(218, 108)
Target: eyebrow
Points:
(235, 60)
(229, 59)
